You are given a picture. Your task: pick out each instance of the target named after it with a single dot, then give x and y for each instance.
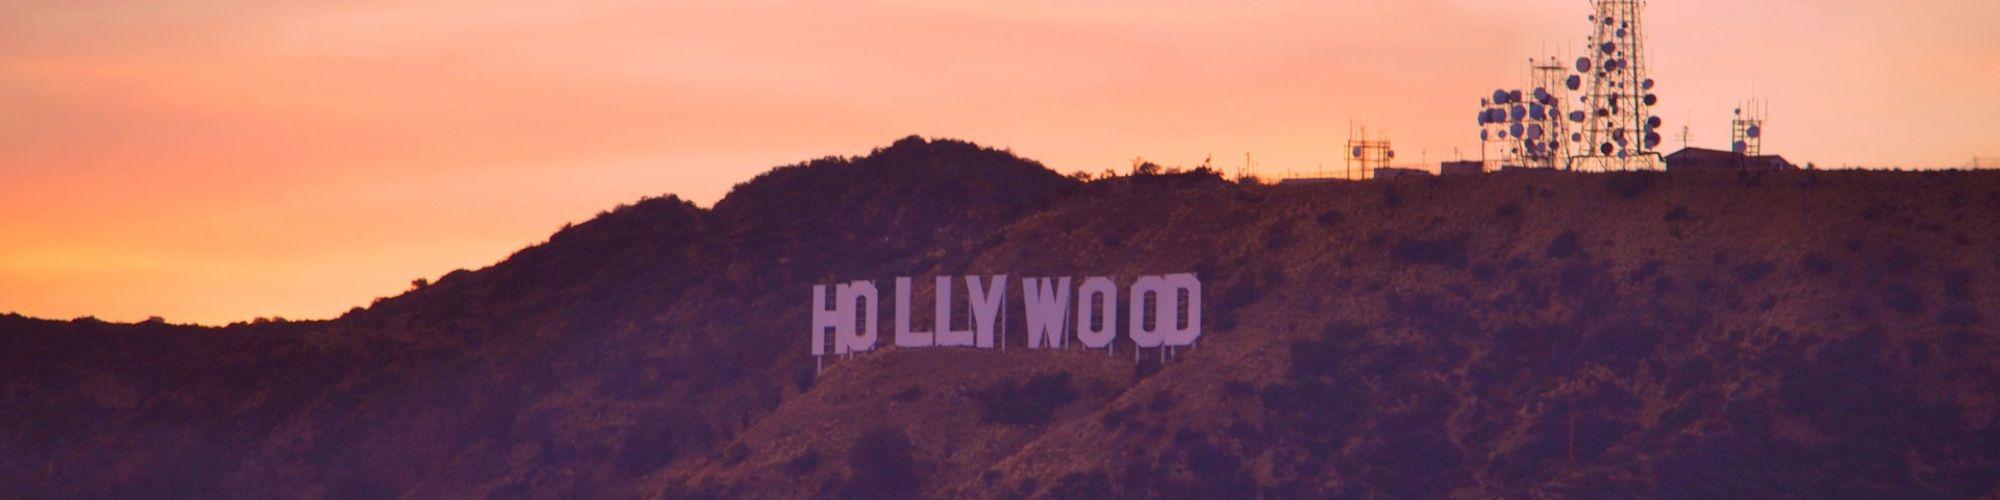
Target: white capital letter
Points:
(864, 340)
(827, 315)
(905, 337)
(986, 306)
(947, 337)
(1047, 302)
(1176, 283)
(1094, 290)
(1162, 316)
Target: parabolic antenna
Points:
(1535, 131)
(1653, 122)
(1537, 112)
(1646, 85)
(1652, 139)
(1516, 129)
(1608, 48)
(1484, 136)
(1754, 131)
(1583, 65)
(1576, 116)
(1739, 147)
(1652, 99)
(1520, 112)
(1499, 97)
(1575, 82)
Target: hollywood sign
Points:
(1164, 311)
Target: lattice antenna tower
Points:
(1526, 126)
(1367, 154)
(1747, 128)
(1618, 129)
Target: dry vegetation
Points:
(1801, 334)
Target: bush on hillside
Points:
(1006, 402)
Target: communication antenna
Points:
(1370, 154)
(1747, 128)
(1619, 131)
(1527, 126)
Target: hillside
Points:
(1522, 334)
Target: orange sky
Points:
(216, 160)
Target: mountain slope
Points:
(1520, 334)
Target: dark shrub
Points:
(1959, 315)
(1006, 402)
(1816, 263)
(803, 377)
(1630, 185)
(1329, 218)
(735, 453)
(804, 463)
(1563, 246)
(1448, 252)
(1901, 298)
(646, 449)
(1162, 401)
(882, 466)
(1677, 214)
(1751, 273)
(1095, 484)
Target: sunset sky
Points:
(217, 160)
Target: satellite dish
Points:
(1739, 147)
(1583, 65)
(1652, 139)
(1754, 131)
(1575, 82)
(1576, 137)
(1608, 48)
(1516, 129)
(1652, 99)
(1483, 136)
(1576, 116)
(1514, 96)
(1621, 32)
(1537, 112)
(1499, 97)
(1653, 122)
(1503, 135)
(1535, 132)
(1357, 151)
(1608, 21)
(1646, 85)
(1605, 148)
(1618, 135)
(1520, 112)
(1392, 154)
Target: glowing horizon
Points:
(217, 160)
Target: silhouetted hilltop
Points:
(1521, 334)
